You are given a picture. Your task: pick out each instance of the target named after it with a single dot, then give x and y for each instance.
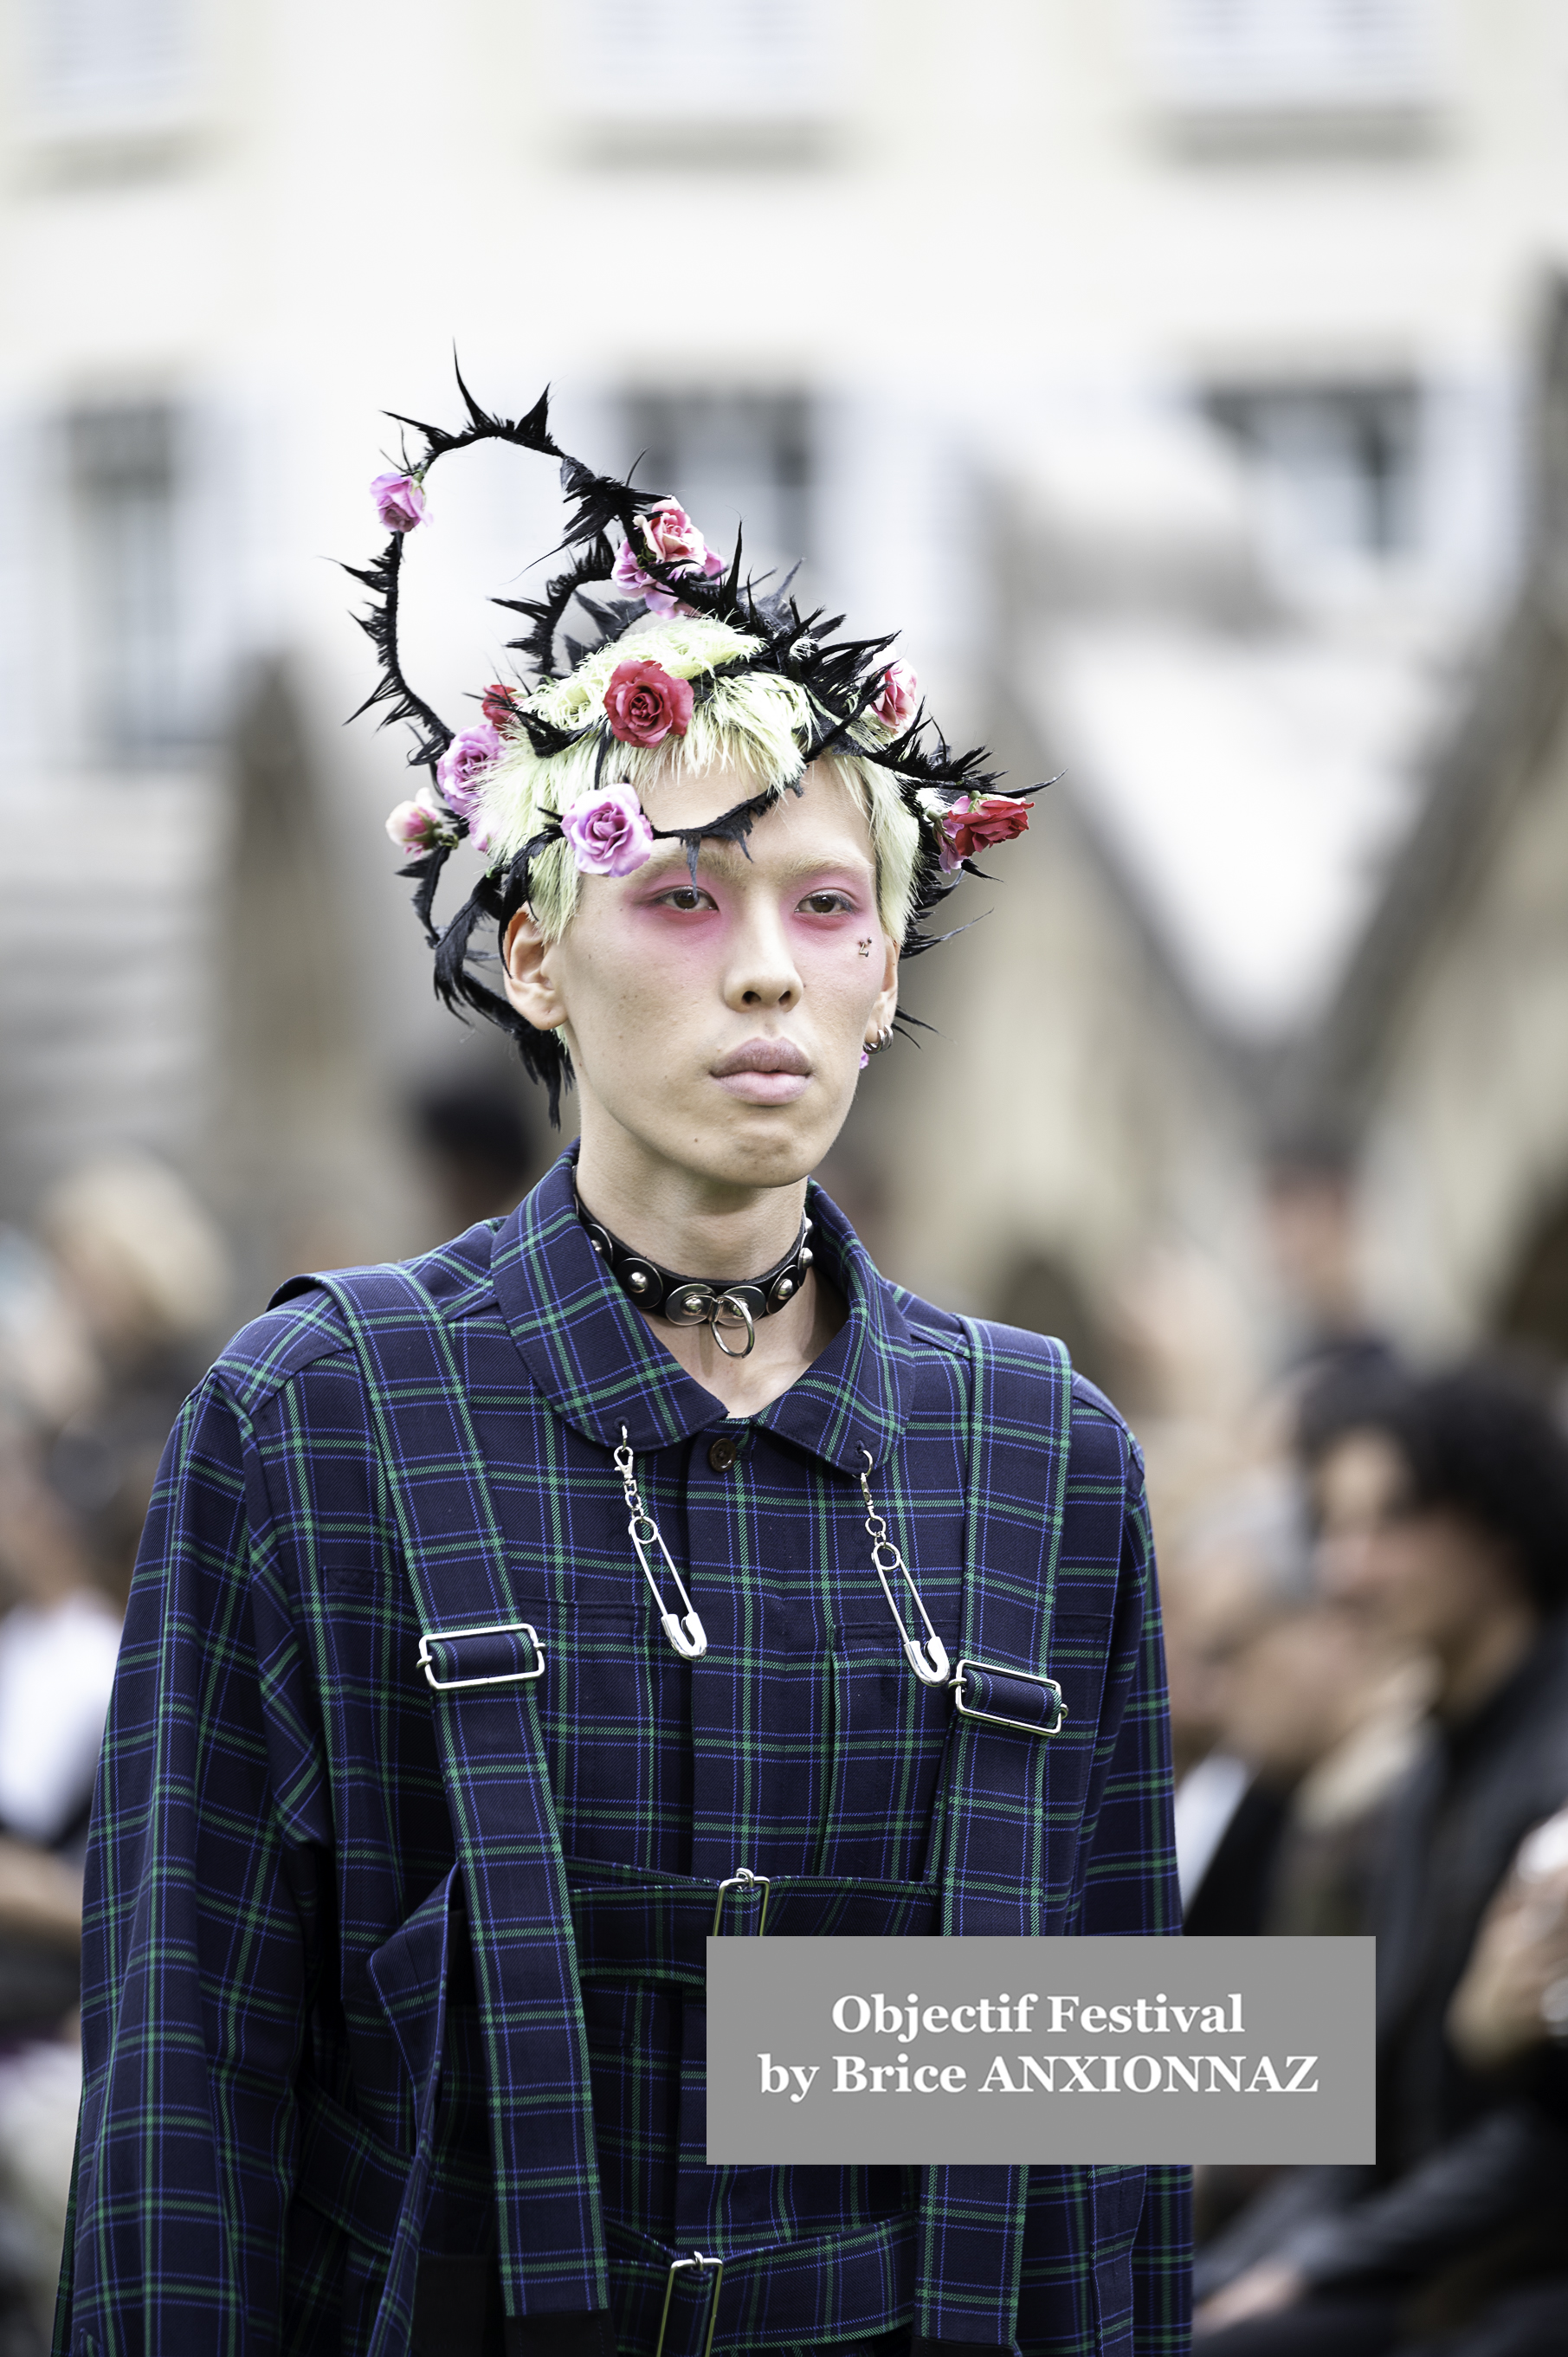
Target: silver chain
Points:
(685, 1631)
(927, 1656)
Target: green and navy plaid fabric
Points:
(272, 1853)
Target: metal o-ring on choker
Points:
(701, 1300)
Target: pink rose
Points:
(421, 825)
(900, 699)
(400, 502)
(645, 703)
(674, 536)
(973, 825)
(608, 832)
(497, 706)
(669, 535)
(461, 771)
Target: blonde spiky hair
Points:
(751, 722)
(772, 693)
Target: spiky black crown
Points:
(842, 679)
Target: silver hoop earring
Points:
(884, 1038)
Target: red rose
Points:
(644, 704)
(497, 706)
(994, 818)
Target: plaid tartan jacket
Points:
(272, 1843)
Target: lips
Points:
(764, 1072)
(764, 1056)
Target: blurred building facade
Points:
(1445, 1056)
(1158, 367)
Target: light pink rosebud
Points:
(607, 831)
(669, 535)
(674, 536)
(901, 698)
(400, 502)
(420, 824)
(462, 768)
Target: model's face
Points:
(1422, 1578)
(717, 1026)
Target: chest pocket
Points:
(617, 1728)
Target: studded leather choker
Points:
(701, 1300)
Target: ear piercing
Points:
(883, 1039)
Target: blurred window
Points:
(1337, 467)
(667, 66)
(97, 57)
(122, 471)
(1221, 55)
(731, 458)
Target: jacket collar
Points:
(593, 1358)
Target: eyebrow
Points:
(726, 854)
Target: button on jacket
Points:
(270, 1809)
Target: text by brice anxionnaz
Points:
(1026, 2065)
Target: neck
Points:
(686, 1220)
(710, 1228)
(1470, 1674)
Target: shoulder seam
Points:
(251, 1385)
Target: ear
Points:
(886, 1005)
(530, 985)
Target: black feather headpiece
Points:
(856, 704)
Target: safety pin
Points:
(686, 1633)
(927, 1657)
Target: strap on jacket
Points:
(481, 1664)
(996, 1792)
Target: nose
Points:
(762, 969)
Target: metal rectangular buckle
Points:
(994, 1718)
(696, 2260)
(742, 1878)
(492, 1629)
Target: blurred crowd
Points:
(1369, 1654)
(113, 1301)
(107, 1305)
(1367, 1640)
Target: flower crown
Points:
(856, 703)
